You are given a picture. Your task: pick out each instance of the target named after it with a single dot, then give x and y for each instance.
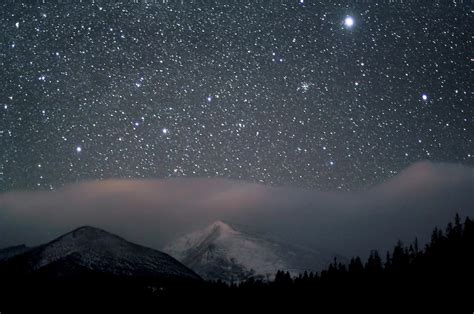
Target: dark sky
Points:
(302, 93)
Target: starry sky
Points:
(311, 94)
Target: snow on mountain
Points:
(231, 253)
(96, 250)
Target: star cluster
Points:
(303, 93)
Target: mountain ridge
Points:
(96, 250)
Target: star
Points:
(233, 96)
(304, 86)
(349, 21)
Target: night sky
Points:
(301, 93)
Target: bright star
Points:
(78, 149)
(349, 21)
(424, 97)
(165, 131)
(304, 87)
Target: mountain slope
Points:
(89, 249)
(9, 252)
(230, 253)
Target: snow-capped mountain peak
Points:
(232, 253)
(223, 228)
(218, 229)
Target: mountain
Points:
(12, 251)
(91, 250)
(233, 253)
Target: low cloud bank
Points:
(154, 212)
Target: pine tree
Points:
(374, 263)
(355, 266)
